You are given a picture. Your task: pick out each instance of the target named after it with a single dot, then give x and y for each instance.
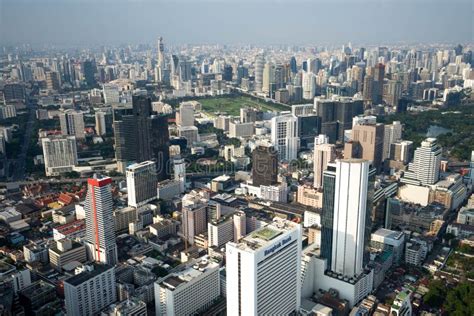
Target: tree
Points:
(436, 294)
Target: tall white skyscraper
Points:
(100, 123)
(141, 183)
(100, 232)
(350, 216)
(323, 153)
(161, 59)
(392, 134)
(424, 169)
(60, 154)
(285, 136)
(309, 85)
(268, 76)
(263, 271)
(259, 65)
(90, 290)
(72, 123)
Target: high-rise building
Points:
(89, 68)
(161, 60)
(194, 216)
(323, 154)
(190, 291)
(367, 143)
(392, 134)
(285, 136)
(379, 74)
(401, 151)
(186, 114)
(100, 232)
(52, 81)
(130, 307)
(424, 169)
(309, 85)
(141, 183)
(111, 94)
(72, 123)
(60, 154)
(263, 271)
(268, 76)
(327, 213)
(91, 290)
(351, 218)
(103, 123)
(265, 166)
(259, 65)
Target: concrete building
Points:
(189, 291)
(385, 239)
(141, 183)
(60, 154)
(367, 143)
(168, 189)
(129, 307)
(264, 166)
(323, 154)
(191, 134)
(66, 251)
(237, 129)
(90, 290)
(185, 115)
(194, 216)
(309, 196)
(392, 134)
(220, 231)
(72, 123)
(401, 306)
(263, 271)
(401, 151)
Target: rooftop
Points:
(88, 274)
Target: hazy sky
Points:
(79, 22)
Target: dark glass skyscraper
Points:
(265, 166)
(327, 214)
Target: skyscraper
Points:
(259, 64)
(379, 74)
(141, 183)
(323, 154)
(327, 213)
(352, 206)
(100, 232)
(263, 271)
(285, 136)
(161, 59)
(72, 123)
(367, 143)
(265, 166)
(424, 169)
(60, 154)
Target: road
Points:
(19, 163)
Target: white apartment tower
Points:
(350, 216)
(285, 136)
(60, 154)
(141, 183)
(72, 123)
(263, 271)
(259, 65)
(186, 114)
(100, 232)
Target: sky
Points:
(300, 22)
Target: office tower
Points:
(368, 89)
(100, 232)
(179, 171)
(141, 183)
(60, 154)
(401, 151)
(194, 216)
(90, 291)
(259, 64)
(227, 74)
(323, 154)
(248, 114)
(65, 251)
(392, 134)
(263, 271)
(186, 114)
(190, 291)
(220, 231)
(265, 166)
(313, 65)
(327, 213)
(72, 123)
(285, 136)
(160, 143)
(379, 74)
(161, 59)
(367, 143)
(14, 91)
(125, 137)
(424, 169)
(89, 68)
(351, 218)
(52, 81)
(293, 66)
(103, 123)
(111, 94)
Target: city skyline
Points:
(86, 23)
